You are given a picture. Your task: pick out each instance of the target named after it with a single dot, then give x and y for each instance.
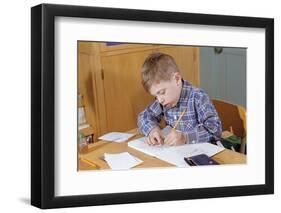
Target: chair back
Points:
(233, 117)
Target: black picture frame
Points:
(43, 105)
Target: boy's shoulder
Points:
(198, 90)
(155, 107)
(197, 94)
(193, 90)
(200, 96)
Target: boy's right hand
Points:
(155, 137)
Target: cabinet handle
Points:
(102, 74)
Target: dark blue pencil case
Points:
(200, 160)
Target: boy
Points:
(175, 97)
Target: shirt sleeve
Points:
(209, 125)
(150, 118)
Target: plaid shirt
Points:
(200, 122)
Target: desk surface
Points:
(96, 151)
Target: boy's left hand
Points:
(175, 138)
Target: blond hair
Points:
(157, 67)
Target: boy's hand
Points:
(175, 138)
(155, 137)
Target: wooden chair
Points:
(233, 118)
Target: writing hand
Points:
(175, 138)
(155, 137)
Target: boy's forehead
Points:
(158, 86)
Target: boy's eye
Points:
(162, 92)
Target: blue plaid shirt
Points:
(200, 122)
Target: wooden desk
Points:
(96, 151)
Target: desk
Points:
(96, 151)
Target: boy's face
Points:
(167, 92)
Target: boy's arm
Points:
(209, 126)
(150, 118)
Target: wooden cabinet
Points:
(109, 79)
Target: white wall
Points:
(15, 107)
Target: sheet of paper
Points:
(176, 158)
(116, 136)
(121, 161)
(175, 154)
(141, 146)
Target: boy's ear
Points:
(177, 77)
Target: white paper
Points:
(116, 136)
(141, 146)
(175, 154)
(121, 161)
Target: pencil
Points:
(175, 127)
(89, 162)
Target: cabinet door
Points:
(125, 97)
